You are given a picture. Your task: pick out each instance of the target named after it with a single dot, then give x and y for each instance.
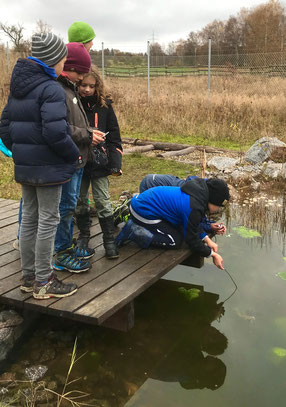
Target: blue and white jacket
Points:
(181, 206)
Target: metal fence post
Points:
(148, 68)
(7, 57)
(102, 59)
(209, 70)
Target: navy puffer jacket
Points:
(34, 127)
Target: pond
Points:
(197, 340)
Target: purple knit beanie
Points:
(78, 58)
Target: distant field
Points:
(238, 110)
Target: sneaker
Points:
(27, 284)
(83, 252)
(121, 212)
(53, 288)
(67, 261)
(16, 244)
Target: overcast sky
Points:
(122, 24)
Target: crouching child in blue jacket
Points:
(34, 126)
(164, 216)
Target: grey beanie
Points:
(48, 48)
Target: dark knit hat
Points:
(80, 32)
(218, 191)
(48, 48)
(78, 58)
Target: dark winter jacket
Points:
(107, 122)
(81, 131)
(181, 206)
(34, 127)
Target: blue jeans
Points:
(70, 194)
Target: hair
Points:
(101, 91)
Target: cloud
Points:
(122, 22)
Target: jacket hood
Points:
(198, 191)
(90, 101)
(26, 76)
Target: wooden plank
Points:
(14, 205)
(104, 274)
(8, 258)
(6, 247)
(8, 233)
(110, 301)
(10, 268)
(7, 202)
(9, 220)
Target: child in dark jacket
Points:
(34, 126)
(164, 216)
(69, 257)
(106, 160)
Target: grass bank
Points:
(135, 167)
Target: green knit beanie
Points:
(80, 32)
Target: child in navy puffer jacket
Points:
(34, 127)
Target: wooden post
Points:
(122, 320)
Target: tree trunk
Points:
(177, 153)
(139, 149)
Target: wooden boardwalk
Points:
(105, 293)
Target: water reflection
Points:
(187, 345)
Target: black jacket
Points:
(34, 127)
(107, 122)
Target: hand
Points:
(218, 260)
(211, 244)
(97, 137)
(218, 228)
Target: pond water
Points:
(189, 346)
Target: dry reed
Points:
(241, 109)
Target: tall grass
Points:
(240, 110)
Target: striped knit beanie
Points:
(48, 48)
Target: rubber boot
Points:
(135, 233)
(107, 227)
(83, 224)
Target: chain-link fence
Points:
(270, 64)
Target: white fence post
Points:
(209, 69)
(102, 59)
(148, 68)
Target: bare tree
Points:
(43, 27)
(15, 34)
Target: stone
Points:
(11, 328)
(35, 373)
(223, 163)
(262, 149)
(275, 170)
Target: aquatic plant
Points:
(190, 294)
(282, 275)
(280, 352)
(246, 233)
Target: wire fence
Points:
(232, 68)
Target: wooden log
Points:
(177, 153)
(139, 149)
(173, 146)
